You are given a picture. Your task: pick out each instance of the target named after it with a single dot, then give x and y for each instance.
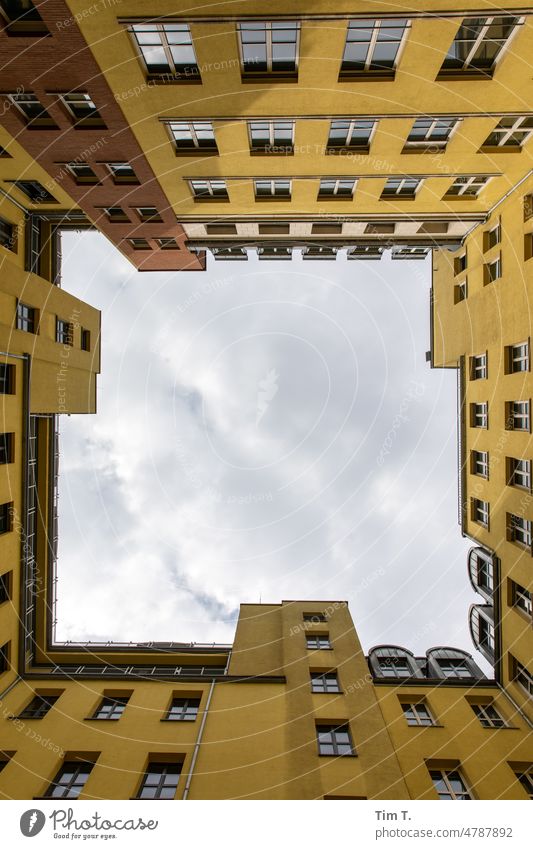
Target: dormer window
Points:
(454, 667)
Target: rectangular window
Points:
(26, 318)
(63, 331)
(39, 706)
(4, 657)
(480, 463)
(111, 707)
(449, 784)
(34, 191)
(431, 133)
(528, 207)
(183, 710)
(517, 358)
(519, 530)
(6, 582)
(372, 46)
(484, 570)
(525, 777)
(148, 214)
(272, 188)
(6, 517)
(401, 187)
(319, 252)
(70, 780)
(394, 667)
(7, 444)
(122, 172)
(318, 641)
(523, 677)
(353, 134)
(334, 740)
(478, 367)
(269, 47)
(82, 173)
(518, 473)
(314, 617)
(230, 253)
(116, 215)
(478, 45)
(521, 598)
(517, 415)
(326, 229)
(492, 237)
(467, 186)
(160, 781)
(274, 253)
(140, 244)
(209, 189)
(82, 108)
(492, 271)
(33, 110)
(480, 512)
(409, 253)
(85, 339)
(417, 713)
(336, 188)
(510, 132)
(22, 18)
(488, 716)
(460, 292)
(8, 238)
(7, 379)
(454, 667)
(167, 50)
(271, 136)
(365, 252)
(193, 136)
(324, 682)
(459, 264)
(479, 414)
(167, 243)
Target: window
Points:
(380, 228)
(272, 188)
(526, 780)
(85, 340)
(449, 784)
(394, 667)
(336, 188)
(269, 48)
(479, 414)
(492, 271)
(486, 635)
(5, 586)
(484, 570)
(167, 50)
(324, 682)
(519, 530)
(480, 463)
(167, 243)
(34, 191)
(417, 713)
(372, 46)
(6, 511)
(82, 108)
(492, 237)
(209, 189)
(4, 657)
(459, 264)
(274, 253)
(122, 172)
(7, 379)
(519, 473)
(7, 443)
(111, 707)
(193, 136)
(26, 318)
(318, 641)
(314, 617)
(517, 415)
(521, 598)
(460, 292)
(271, 136)
(517, 358)
(22, 17)
(431, 132)
(148, 214)
(319, 253)
(63, 331)
(365, 252)
(523, 677)
(140, 244)
(454, 667)
(401, 187)
(160, 781)
(82, 172)
(467, 186)
(350, 134)
(326, 228)
(528, 207)
(183, 710)
(229, 253)
(480, 512)
(8, 237)
(70, 780)
(478, 44)
(489, 716)
(274, 229)
(39, 706)
(409, 253)
(334, 740)
(478, 367)
(116, 215)
(32, 109)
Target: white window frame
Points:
(444, 775)
(520, 473)
(271, 132)
(398, 190)
(484, 716)
(376, 29)
(479, 180)
(478, 367)
(523, 677)
(480, 414)
(79, 97)
(325, 682)
(525, 778)
(162, 33)
(350, 130)
(337, 182)
(482, 33)
(16, 98)
(273, 182)
(418, 716)
(506, 132)
(519, 414)
(480, 463)
(427, 139)
(480, 512)
(192, 127)
(519, 356)
(493, 270)
(520, 530)
(268, 46)
(209, 188)
(521, 598)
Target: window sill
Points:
(41, 125)
(471, 198)
(464, 74)
(335, 197)
(126, 181)
(86, 181)
(395, 198)
(166, 719)
(351, 755)
(344, 150)
(89, 124)
(211, 199)
(274, 150)
(101, 718)
(424, 148)
(170, 79)
(196, 151)
(371, 76)
(500, 149)
(278, 198)
(288, 77)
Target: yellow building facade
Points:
(342, 131)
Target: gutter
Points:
(198, 743)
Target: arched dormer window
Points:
(481, 571)
(393, 662)
(481, 620)
(447, 662)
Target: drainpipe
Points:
(516, 707)
(198, 742)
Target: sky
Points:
(265, 431)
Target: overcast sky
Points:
(265, 430)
